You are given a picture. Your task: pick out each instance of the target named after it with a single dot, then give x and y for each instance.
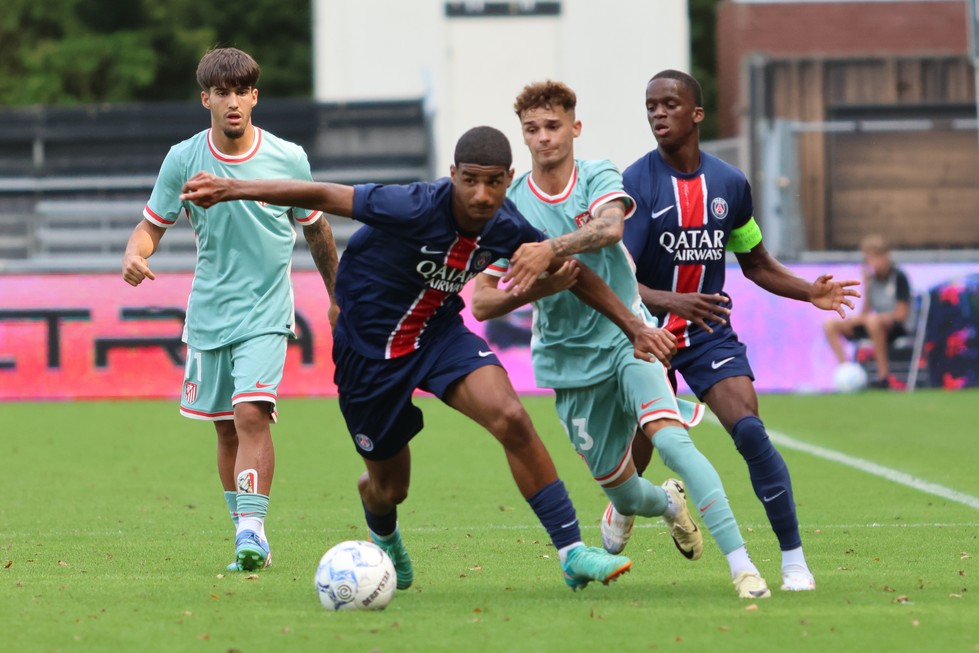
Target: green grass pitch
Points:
(114, 537)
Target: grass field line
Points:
(868, 466)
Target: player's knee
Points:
(511, 425)
(750, 437)
(252, 418)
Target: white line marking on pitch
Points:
(869, 467)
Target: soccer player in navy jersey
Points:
(690, 208)
(399, 329)
(601, 391)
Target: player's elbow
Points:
(482, 311)
(613, 234)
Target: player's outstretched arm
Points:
(206, 190)
(531, 259)
(761, 268)
(648, 343)
(143, 242)
(323, 247)
(490, 301)
(699, 308)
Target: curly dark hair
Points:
(545, 95)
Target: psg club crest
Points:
(190, 393)
(482, 260)
(364, 442)
(718, 207)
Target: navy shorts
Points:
(705, 364)
(375, 394)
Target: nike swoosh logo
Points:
(484, 354)
(656, 214)
(425, 250)
(264, 385)
(647, 404)
(704, 509)
(717, 364)
(773, 497)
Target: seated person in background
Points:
(884, 311)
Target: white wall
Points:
(473, 68)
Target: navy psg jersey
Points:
(400, 275)
(678, 234)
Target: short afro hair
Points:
(686, 81)
(484, 146)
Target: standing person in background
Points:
(240, 312)
(691, 208)
(399, 330)
(883, 314)
(602, 392)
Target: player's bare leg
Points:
(383, 487)
(227, 453)
(735, 403)
(486, 396)
(254, 468)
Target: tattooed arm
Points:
(319, 237)
(604, 229)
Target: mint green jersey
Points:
(242, 286)
(572, 344)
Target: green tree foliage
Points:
(85, 51)
(704, 59)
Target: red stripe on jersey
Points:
(692, 213)
(686, 278)
(156, 217)
(404, 339)
(690, 194)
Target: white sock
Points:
(563, 551)
(256, 524)
(794, 557)
(739, 560)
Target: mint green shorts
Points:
(601, 419)
(217, 379)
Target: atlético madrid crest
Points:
(718, 207)
(190, 392)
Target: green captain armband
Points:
(744, 237)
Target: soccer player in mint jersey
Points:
(399, 329)
(240, 312)
(690, 208)
(602, 391)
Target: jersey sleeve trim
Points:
(630, 204)
(157, 219)
(309, 219)
(497, 268)
(745, 237)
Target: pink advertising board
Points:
(83, 336)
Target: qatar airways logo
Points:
(441, 277)
(694, 245)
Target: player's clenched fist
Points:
(135, 269)
(654, 344)
(204, 189)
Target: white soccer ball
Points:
(849, 377)
(355, 575)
